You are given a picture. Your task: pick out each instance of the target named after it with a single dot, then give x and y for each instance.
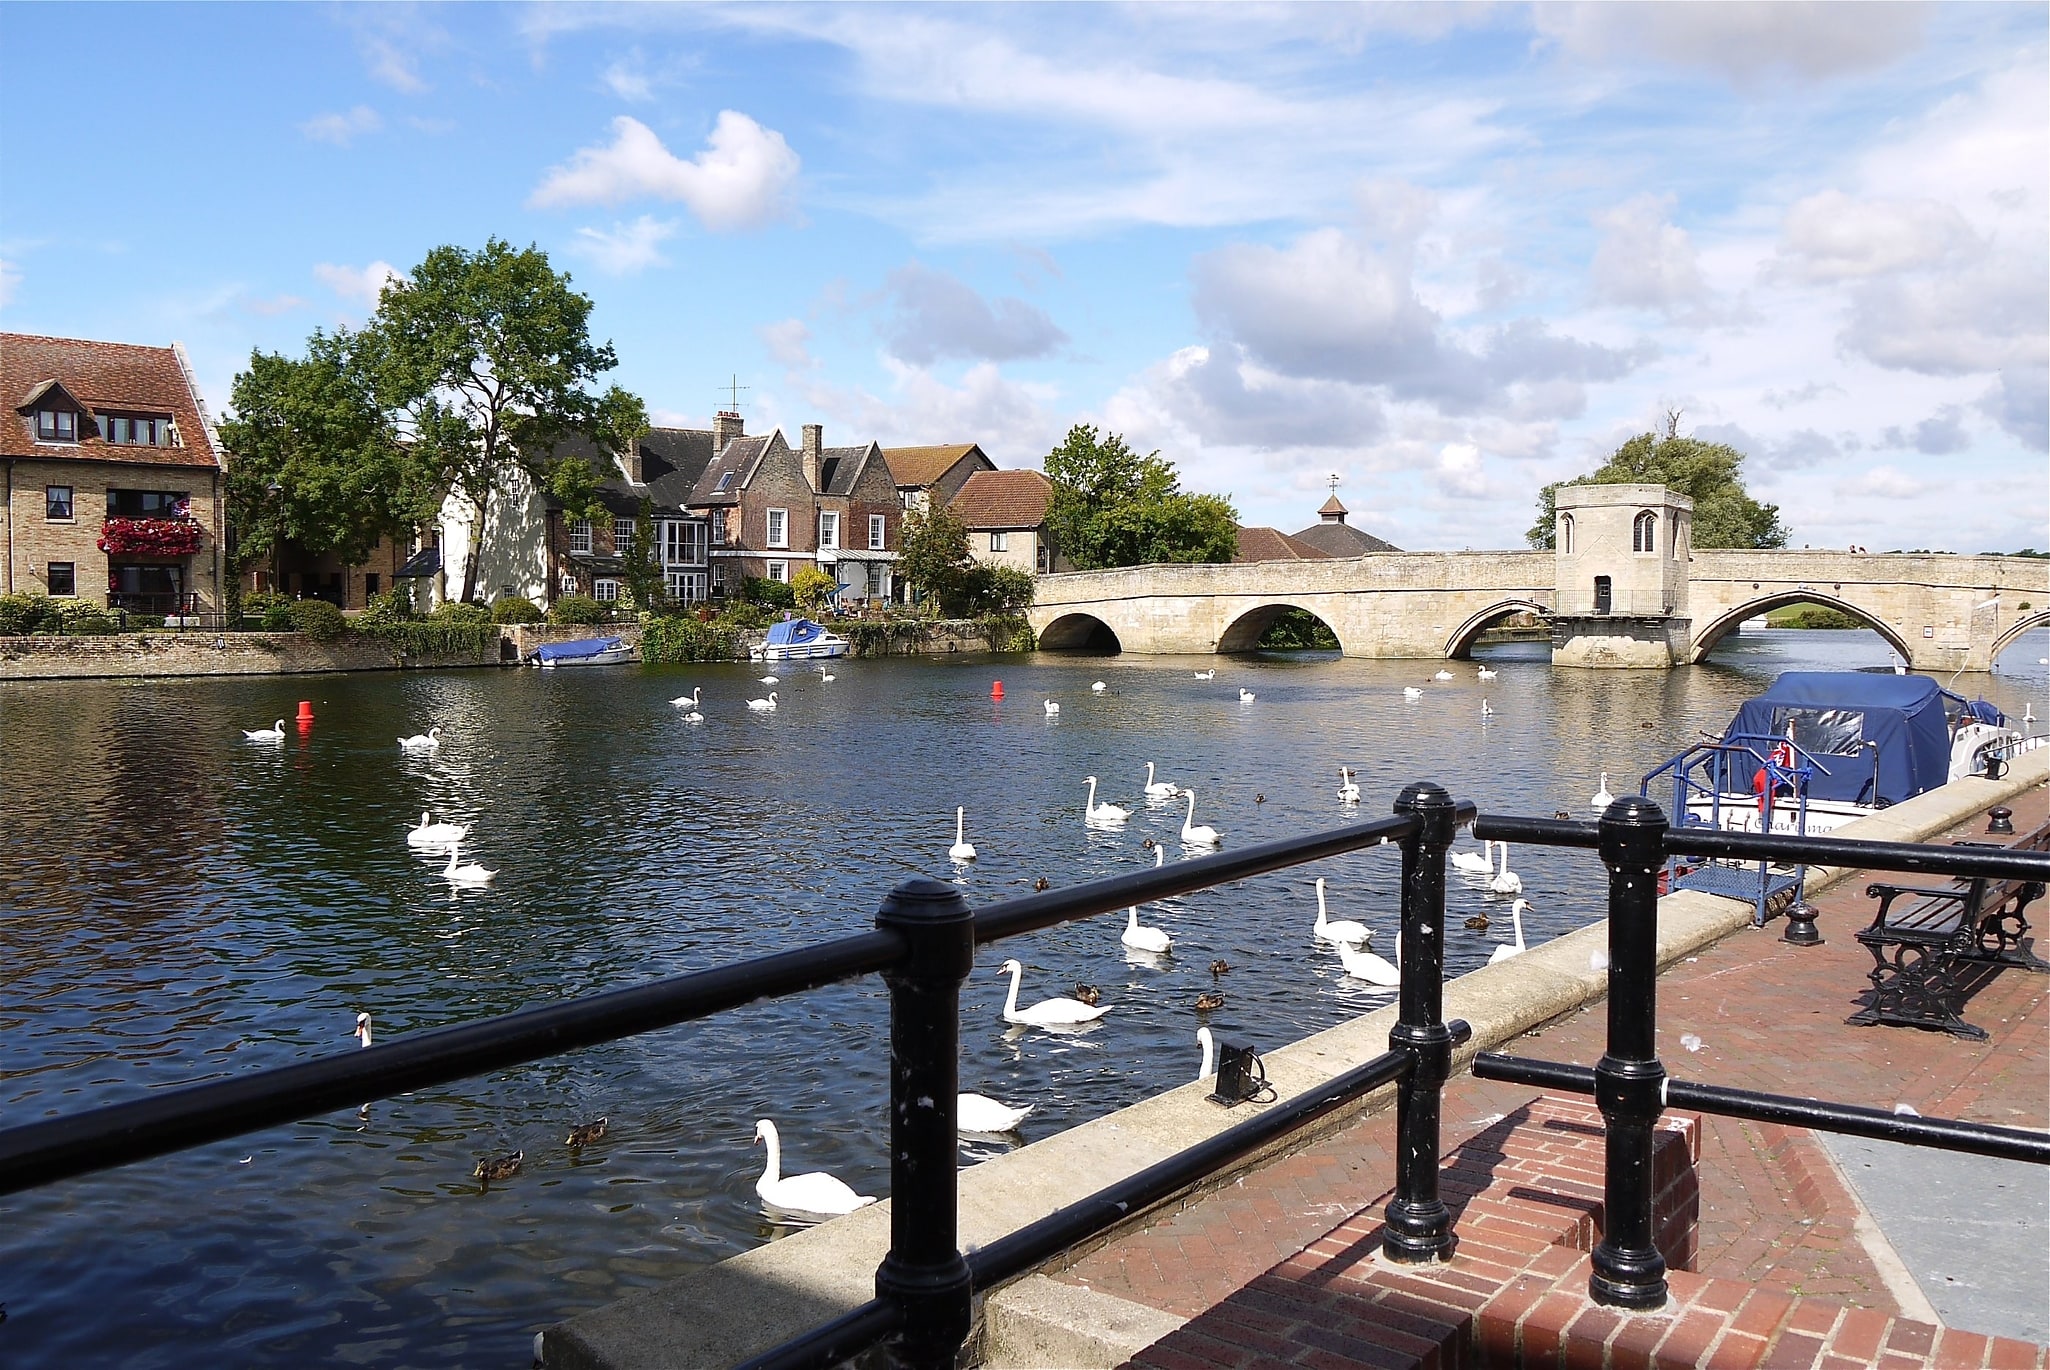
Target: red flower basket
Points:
(151, 537)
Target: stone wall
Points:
(200, 653)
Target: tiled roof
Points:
(840, 467)
(1342, 540)
(738, 462)
(1271, 544)
(1332, 506)
(1003, 499)
(917, 466)
(101, 375)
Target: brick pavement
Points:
(1773, 1214)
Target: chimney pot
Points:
(726, 426)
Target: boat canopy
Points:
(572, 651)
(795, 632)
(1881, 738)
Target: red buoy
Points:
(996, 691)
(305, 713)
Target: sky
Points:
(1444, 253)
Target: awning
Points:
(422, 564)
(601, 562)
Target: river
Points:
(180, 905)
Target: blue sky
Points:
(1447, 253)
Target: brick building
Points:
(1005, 515)
(113, 476)
(928, 476)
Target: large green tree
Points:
(1114, 507)
(1725, 515)
(489, 355)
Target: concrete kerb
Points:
(725, 1313)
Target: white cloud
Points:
(742, 179)
(789, 342)
(1643, 261)
(1459, 471)
(1813, 390)
(1741, 40)
(342, 129)
(628, 78)
(10, 281)
(270, 306)
(938, 316)
(1886, 482)
(2019, 401)
(1938, 435)
(625, 248)
(1984, 317)
(358, 285)
(1832, 237)
(1215, 396)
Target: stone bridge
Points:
(1941, 612)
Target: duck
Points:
(766, 706)
(1365, 965)
(1047, 1012)
(1206, 675)
(1503, 953)
(771, 680)
(980, 1113)
(1601, 799)
(1442, 675)
(1088, 994)
(1259, 799)
(1209, 1001)
(363, 1029)
(421, 742)
(1219, 967)
(584, 1134)
(1479, 922)
(1102, 815)
(1484, 673)
(1348, 792)
(1209, 1046)
(688, 701)
(1198, 834)
(1053, 709)
(464, 874)
(1506, 881)
(1158, 789)
(1341, 930)
(1041, 885)
(1143, 938)
(963, 849)
(1481, 862)
(816, 1192)
(1412, 692)
(432, 834)
(499, 1167)
(274, 733)
(1097, 687)
(1246, 696)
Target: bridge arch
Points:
(1706, 639)
(1460, 645)
(2020, 626)
(1079, 633)
(1248, 628)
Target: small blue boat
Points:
(799, 639)
(588, 651)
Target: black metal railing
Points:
(923, 945)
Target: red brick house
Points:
(1005, 515)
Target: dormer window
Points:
(139, 430)
(56, 425)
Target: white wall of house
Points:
(512, 555)
(1020, 547)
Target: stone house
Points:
(1334, 537)
(114, 484)
(929, 476)
(1005, 515)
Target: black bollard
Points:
(1419, 1225)
(1629, 1082)
(924, 1272)
(2000, 821)
(1801, 931)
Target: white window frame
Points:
(683, 542)
(568, 583)
(580, 536)
(878, 532)
(776, 528)
(719, 575)
(622, 533)
(686, 587)
(718, 527)
(779, 571)
(829, 530)
(605, 590)
(999, 542)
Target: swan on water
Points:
(771, 680)
(1442, 675)
(1506, 881)
(1365, 965)
(1602, 798)
(432, 834)
(693, 716)
(1487, 709)
(1485, 673)
(766, 706)
(1198, 834)
(1342, 930)
(1245, 695)
(1047, 1012)
(1159, 789)
(1142, 938)
(980, 1113)
(1412, 692)
(1515, 916)
(421, 742)
(363, 1028)
(464, 874)
(1348, 792)
(271, 734)
(1481, 862)
(1098, 687)
(1209, 1053)
(816, 1192)
(690, 699)
(1206, 675)
(1102, 815)
(963, 849)
(1052, 708)
(826, 675)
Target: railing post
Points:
(1419, 1226)
(924, 1272)
(1629, 1083)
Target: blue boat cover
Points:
(1834, 714)
(794, 632)
(570, 651)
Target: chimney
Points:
(726, 426)
(814, 440)
(631, 460)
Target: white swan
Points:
(469, 874)
(1412, 692)
(1142, 938)
(1047, 1012)
(1481, 862)
(1206, 675)
(816, 1192)
(691, 699)
(980, 1113)
(1348, 792)
(1515, 916)
(1506, 881)
(1052, 708)
(1209, 1053)
(1246, 696)
(363, 1028)
(963, 849)
(421, 742)
(272, 734)
(1102, 815)
(1487, 709)
(1098, 687)
(432, 834)
(1365, 965)
(1198, 834)
(766, 706)
(1601, 798)
(826, 677)
(1343, 930)
(1485, 673)
(770, 679)
(1159, 789)
(1442, 675)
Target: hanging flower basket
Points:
(151, 537)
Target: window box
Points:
(149, 537)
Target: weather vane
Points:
(1332, 481)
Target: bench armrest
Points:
(1886, 894)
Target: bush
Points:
(21, 615)
(775, 594)
(514, 609)
(1008, 633)
(389, 606)
(811, 588)
(456, 611)
(82, 619)
(276, 619)
(745, 614)
(318, 619)
(421, 637)
(257, 603)
(577, 609)
(670, 638)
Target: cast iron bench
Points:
(1921, 950)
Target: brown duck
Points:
(499, 1167)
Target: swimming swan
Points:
(1442, 675)
(1098, 687)
(1361, 964)
(363, 1028)
(816, 1192)
(421, 742)
(1601, 799)
(1506, 881)
(1476, 863)
(1412, 692)
(963, 849)
(1348, 792)
(770, 679)
(1246, 696)
(766, 706)
(1500, 954)
(1485, 673)
(1159, 789)
(1198, 834)
(432, 834)
(1206, 675)
(470, 874)
(1102, 815)
(980, 1113)
(1052, 708)
(1343, 930)
(690, 699)
(1144, 939)
(273, 734)
(1047, 1012)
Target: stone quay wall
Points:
(158, 654)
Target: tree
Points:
(489, 355)
(812, 588)
(1725, 515)
(935, 552)
(1113, 507)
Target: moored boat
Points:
(588, 651)
(799, 639)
